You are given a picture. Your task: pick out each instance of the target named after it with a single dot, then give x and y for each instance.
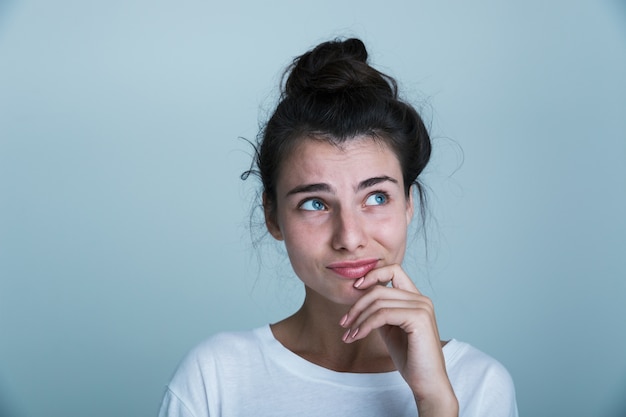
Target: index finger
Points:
(393, 274)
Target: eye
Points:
(376, 199)
(313, 204)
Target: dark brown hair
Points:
(332, 93)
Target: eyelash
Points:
(383, 193)
(310, 200)
(324, 206)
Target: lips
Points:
(353, 269)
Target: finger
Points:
(419, 305)
(410, 320)
(381, 297)
(380, 304)
(393, 274)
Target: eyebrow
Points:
(370, 182)
(323, 187)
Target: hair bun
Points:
(335, 66)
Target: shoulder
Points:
(224, 353)
(482, 384)
(465, 359)
(224, 358)
(227, 342)
(224, 348)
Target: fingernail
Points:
(354, 333)
(344, 319)
(345, 335)
(359, 282)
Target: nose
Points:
(348, 231)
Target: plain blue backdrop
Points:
(124, 226)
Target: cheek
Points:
(302, 229)
(301, 237)
(307, 245)
(304, 252)
(393, 234)
(394, 237)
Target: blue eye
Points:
(313, 205)
(376, 199)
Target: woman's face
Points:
(341, 212)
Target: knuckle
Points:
(378, 304)
(383, 312)
(422, 313)
(426, 302)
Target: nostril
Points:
(348, 233)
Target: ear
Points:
(270, 219)
(410, 207)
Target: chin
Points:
(346, 298)
(343, 296)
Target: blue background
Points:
(124, 226)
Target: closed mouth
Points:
(353, 269)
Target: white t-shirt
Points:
(252, 374)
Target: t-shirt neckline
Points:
(296, 364)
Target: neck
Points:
(314, 333)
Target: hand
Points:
(406, 321)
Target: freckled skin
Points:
(338, 210)
(353, 224)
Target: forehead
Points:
(318, 160)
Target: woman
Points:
(339, 161)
